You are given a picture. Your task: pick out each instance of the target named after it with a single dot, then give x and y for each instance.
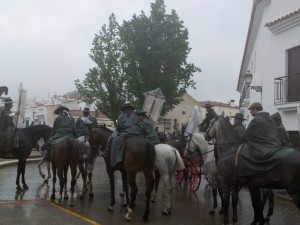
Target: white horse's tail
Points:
(180, 164)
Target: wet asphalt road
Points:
(34, 206)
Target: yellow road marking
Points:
(75, 214)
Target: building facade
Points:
(272, 57)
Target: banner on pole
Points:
(21, 102)
(153, 104)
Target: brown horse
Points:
(66, 154)
(27, 139)
(136, 158)
(284, 175)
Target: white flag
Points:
(153, 104)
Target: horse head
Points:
(222, 130)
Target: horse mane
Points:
(232, 135)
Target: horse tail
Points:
(180, 164)
(69, 150)
(151, 154)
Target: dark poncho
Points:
(262, 150)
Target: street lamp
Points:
(248, 79)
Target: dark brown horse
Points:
(65, 155)
(135, 159)
(27, 139)
(284, 175)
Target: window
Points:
(293, 66)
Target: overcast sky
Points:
(45, 45)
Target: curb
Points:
(284, 196)
(10, 162)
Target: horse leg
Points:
(21, 172)
(110, 173)
(53, 181)
(73, 182)
(234, 203)
(226, 204)
(215, 200)
(271, 205)
(40, 169)
(90, 168)
(83, 174)
(257, 206)
(220, 190)
(169, 185)
(149, 187)
(65, 177)
(125, 186)
(62, 182)
(133, 192)
(48, 170)
(156, 184)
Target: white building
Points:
(272, 56)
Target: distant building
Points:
(176, 119)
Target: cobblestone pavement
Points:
(34, 207)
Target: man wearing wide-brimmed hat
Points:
(125, 126)
(210, 114)
(238, 124)
(7, 128)
(63, 126)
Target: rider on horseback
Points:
(238, 125)
(7, 128)
(63, 128)
(84, 125)
(146, 127)
(262, 149)
(125, 124)
(208, 117)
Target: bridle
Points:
(210, 138)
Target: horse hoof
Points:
(110, 209)
(211, 212)
(19, 188)
(91, 195)
(72, 204)
(122, 194)
(25, 187)
(166, 212)
(43, 176)
(267, 219)
(66, 197)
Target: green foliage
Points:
(141, 55)
(156, 49)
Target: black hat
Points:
(60, 108)
(127, 105)
(86, 109)
(8, 101)
(239, 116)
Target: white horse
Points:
(167, 161)
(42, 162)
(86, 166)
(197, 142)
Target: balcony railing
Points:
(287, 89)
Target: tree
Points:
(141, 55)
(106, 84)
(156, 50)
